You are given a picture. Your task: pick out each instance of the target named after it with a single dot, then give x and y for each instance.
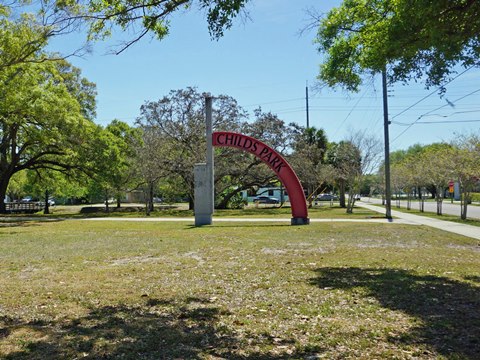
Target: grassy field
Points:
(181, 210)
(98, 290)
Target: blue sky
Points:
(265, 62)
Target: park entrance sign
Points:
(276, 162)
(203, 172)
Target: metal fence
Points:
(24, 207)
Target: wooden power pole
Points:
(386, 122)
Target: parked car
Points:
(356, 196)
(266, 200)
(326, 197)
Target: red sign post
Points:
(451, 190)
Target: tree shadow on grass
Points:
(449, 309)
(160, 329)
(12, 222)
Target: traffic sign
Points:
(450, 186)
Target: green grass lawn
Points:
(98, 290)
(181, 210)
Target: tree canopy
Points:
(45, 111)
(113, 159)
(414, 38)
(147, 17)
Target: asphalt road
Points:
(473, 211)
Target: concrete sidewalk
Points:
(228, 219)
(457, 228)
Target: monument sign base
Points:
(300, 221)
(203, 199)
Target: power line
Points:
(275, 102)
(449, 104)
(404, 131)
(447, 122)
(436, 122)
(430, 94)
(439, 115)
(353, 108)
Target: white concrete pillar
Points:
(203, 206)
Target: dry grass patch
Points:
(77, 289)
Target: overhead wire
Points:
(447, 121)
(431, 93)
(444, 116)
(353, 108)
(422, 99)
(449, 103)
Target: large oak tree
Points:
(45, 113)
(414, 38)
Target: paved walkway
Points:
(227, 219)
(473, 211)
(400, 218)
(457, 228)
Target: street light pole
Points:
(386, 122)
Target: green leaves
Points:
(153, 16)
(220, 14)
(44, 106)
(415, 39)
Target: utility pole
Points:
(210, 161)
(306, 100)
(386, 122)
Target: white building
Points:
(277, 192)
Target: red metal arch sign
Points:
(276, 162)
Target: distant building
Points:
(135, 196)
(277, 192)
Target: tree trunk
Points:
(439, 206)
(421, 201)
(191, 204)
(350, 203)
(341, 189)
(147, 202)
(150, 196)
(463, 210)
(107, 208)
(3, 207)
(282, 196)
(464, 199)
(46, 209)
(438, 197)
(226, 199)
(409, 200)
(4, 180)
